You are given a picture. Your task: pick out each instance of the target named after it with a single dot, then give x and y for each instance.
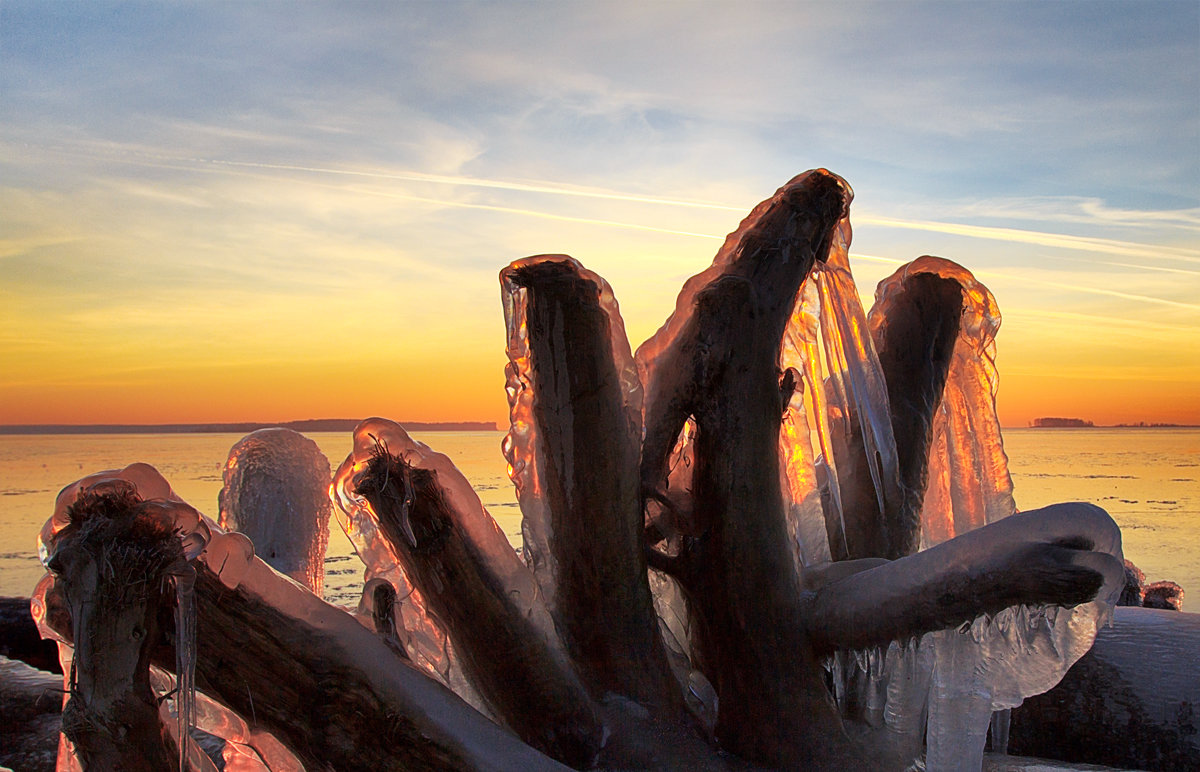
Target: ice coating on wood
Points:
(944, 685)
(162, 505)
(814, 505)
(840, 414)
(522, 447)
(276, 491)
(236, 591)
(581, 396)
(1019, 652)
(143, 476)
(240, 747)
(716, 360)
(854, 385)
(422, 636)
(226, 553)
(476, 588)
(969, 484)
(801, 351)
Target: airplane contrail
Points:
(1089, 290)
(1088, 243)
(1109, 322)
(476, 182)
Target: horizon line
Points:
(348, 424)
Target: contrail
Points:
(876, 259)
(536, 213)
(1042, 238)
(1087, 243)
(1089, 290)
(476, 182)
(1135, 266)
(1109, 322)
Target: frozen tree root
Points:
(341, 698)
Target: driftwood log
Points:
(336, 694)
(566, 657)
(112, 565)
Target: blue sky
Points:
(314, 199)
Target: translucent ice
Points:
(947, 683)
(969, 484)
(276, 492)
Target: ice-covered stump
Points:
(276, 491)
(574, 450)
(111, 562)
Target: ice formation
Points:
(276, 491)
(956, 677)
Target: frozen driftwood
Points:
(1132, 701)
(306, 671)
(675, 461)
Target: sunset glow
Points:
(258, 212)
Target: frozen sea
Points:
(1147, 479)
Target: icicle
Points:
(185, 659)
(862, 391)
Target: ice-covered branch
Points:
(477, 587)
(1063, 555)
(915, 341)
(584, 403)
(716, 360)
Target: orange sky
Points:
(207, 215)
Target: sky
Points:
(272, 211)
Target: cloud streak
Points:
(1039, 238)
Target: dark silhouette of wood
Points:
(915, 344)
(1133, 701)
(516, 670)
(590, 443)
(110, 566)
(341, 697)
(308, 672)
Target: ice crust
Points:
(418, 631)
(521, 446)
(969, 484)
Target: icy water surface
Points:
(1148, 479)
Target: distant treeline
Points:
(1061, 423)
(309, 425)
(1079, 423)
